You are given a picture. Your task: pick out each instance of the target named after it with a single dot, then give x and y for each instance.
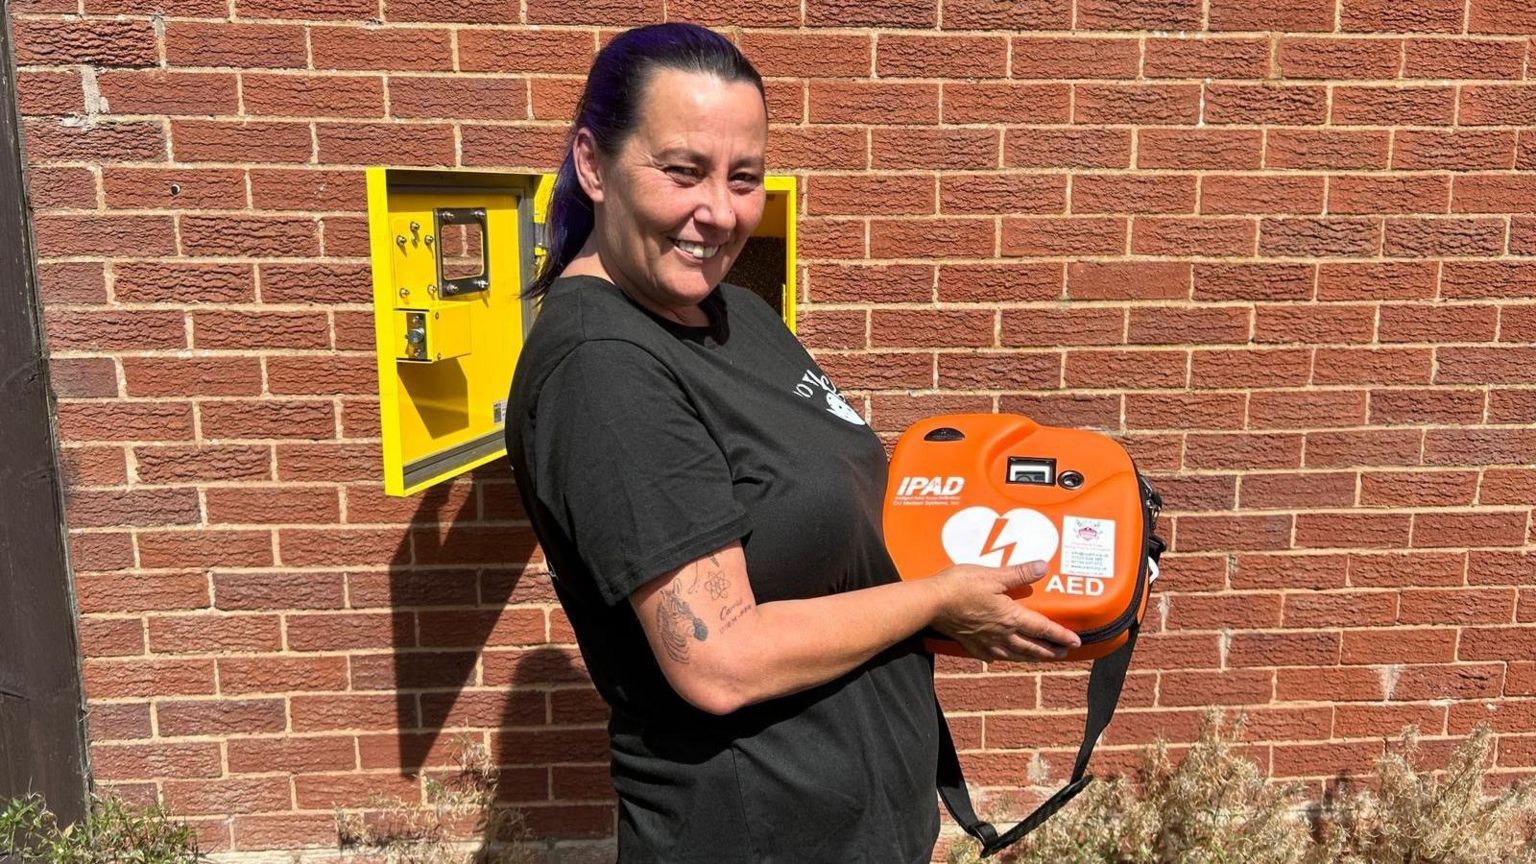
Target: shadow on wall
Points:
(481, 650)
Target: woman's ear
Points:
(588, 164)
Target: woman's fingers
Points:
(1034, 625)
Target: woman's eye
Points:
(682, 171)
(747, 181)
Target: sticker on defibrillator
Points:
(1088, 547)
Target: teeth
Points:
(697, 250)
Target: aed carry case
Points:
(1000, 490)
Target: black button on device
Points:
(945, 433)
(1070, 480)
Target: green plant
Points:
(1215, 807)
(458, 810)
(113, 831)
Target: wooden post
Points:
(42, 714)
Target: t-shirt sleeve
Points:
(624, 464)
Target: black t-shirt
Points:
(640, 444)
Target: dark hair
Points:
(609, 107)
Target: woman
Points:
(713, 533)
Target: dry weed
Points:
(458, 811)
(1214, 806)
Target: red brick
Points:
(1209, 57)
(1066, 147)
(1423, 323)
(1227, 368)
(83, 377)
(1317, 324)
(1075, 57)
(1508, 486)
(112, 637)
(193, 376)
(1453, 149)
(155, 761)
(1172, 325)
(1502, 365)
(899, 13)
(934, 149)
(1418, 488)
(894, 283)
(1119, 193)
(1243, 451)
(189, 43)
(796, 53)
(132, 507)
(991, 15)
(926, 238)
(1141, 370)
(1283, 15)
(125, 421)
(1336, 609)
(1242, 194)
(373, 143)
(1324, 237)
(220, 717)
(999, 193)
(1462, 58)
(541, 146)
(454, 97)
(1370, 195)
(912, 328)
(912, 56)
(1492, 193)
(143, 678)
(1139, 15)
(1334, 149)
(152, 188)
(231, 329)
(1127, 281)
(1212, 149)
(228, 796)
(1306, 409)
(1476, 528)
(1457, 606)
(106, 236)
(1425, 16)
(994, 371)
(873, 102)
(1177, 236)
(1030, 236)
(1005, 103)
(204, 548)
(1137, 103)
(364, 48)
(1488, 279)
(1217, 282)
(97, 42)
(50, 91)
(1183, 411)
(170, 93)
(268, 505)
(1207, 533)
(1497, 104)
(999, 282)
(1301, 490)
(1424, 105)
(469, 13)
(240, 141)
(1388, 281)
(1295, 105)
(1297, 572)
(52, 140)
(1045, 328)
(1500, 16)
(1334, 58)
(1479, 446)
(1350, 449)
(1225, 687)
(1283, 649)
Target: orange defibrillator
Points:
(1001, 490)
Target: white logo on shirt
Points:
(836, 405)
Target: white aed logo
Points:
(979, 535)
(1082, 586)
(944, 486)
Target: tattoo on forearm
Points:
(729, 615)
(674, 620)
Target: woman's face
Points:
(676, 204)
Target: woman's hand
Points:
(978, 613)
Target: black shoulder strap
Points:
(1104, 684)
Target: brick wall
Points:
(1281, 248)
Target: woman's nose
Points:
(717, 207)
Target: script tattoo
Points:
(729, 615)
(674, 620)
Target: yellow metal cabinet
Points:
(452, 252)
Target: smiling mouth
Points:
(695, 250)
